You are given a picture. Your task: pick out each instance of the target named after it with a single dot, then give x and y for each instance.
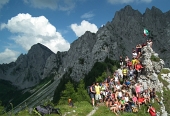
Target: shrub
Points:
(154, 58)
(165, 71)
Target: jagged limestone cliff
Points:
(118, 37)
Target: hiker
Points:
(146, 95)
(141, 100)
(117, 86)
(103, 91)
(138, 68)
(139, 47)
(126, 60)
(134, 62)
(149, 43)
(121, 62)
(129, 64)
(116, 73)
(137, 89)
(92, 94)
(126, 84)
(122, 102)
(125, 73)
(108, 79)
(151, 110)
(116, 76)
(129, 105)
(70, 103)
(98, 93)
(131, 73)
(108, 98)
(112, 98)
(134, 54)
(119, 94)
(154, 96)
(115, 107)
(127, 97)
(134, 99)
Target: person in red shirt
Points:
(129, 64)
(138, 68)
(151, 110)
(141, 100)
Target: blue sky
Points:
(57, 23)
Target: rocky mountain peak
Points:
(37, 48)
(126, 13)
(153, 12)
(28, 68)
(156, 10)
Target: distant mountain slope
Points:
(28, 69)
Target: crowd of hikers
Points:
(122, 91)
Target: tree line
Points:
(69, 89)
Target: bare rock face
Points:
(129, 24)
(117, 38)
(79, 57)
(53, 63)
(28, 69)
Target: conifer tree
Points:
(1, 108)
(82, 94)
(68, 93)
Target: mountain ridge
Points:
(112, 40)
(27, 67)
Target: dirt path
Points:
(93, 111)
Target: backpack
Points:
(41, 110)
(134, 109)
(88, 89)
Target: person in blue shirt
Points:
(127, 84)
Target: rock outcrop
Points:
(152, 68)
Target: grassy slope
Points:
(166, 93)
(9, 92)
(79, 109)
(83, 108)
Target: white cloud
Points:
(83, 27)
(67, 5)
(87, 15)
(31, 30)
(8, 56)
(147, 1)
(52, 4)
(3, 2)
(128, 1)
(63, 5)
